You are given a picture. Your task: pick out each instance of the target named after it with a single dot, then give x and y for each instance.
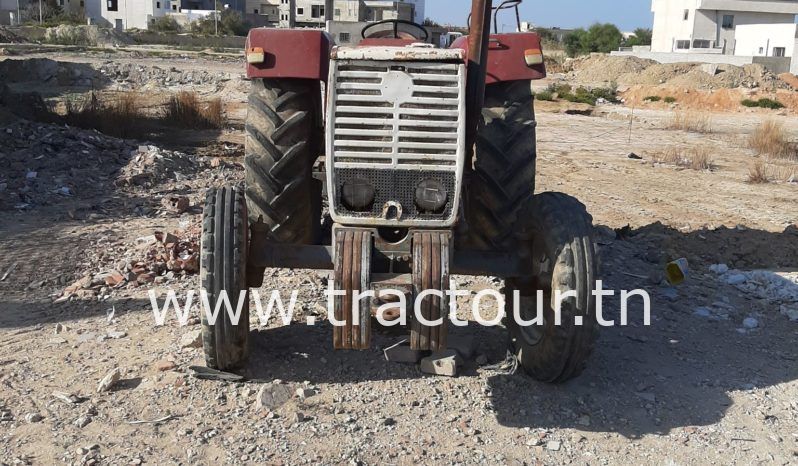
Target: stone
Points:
(109, 381)
(33, 418)
(165, 365)
(303, 393)
(272, 395)
(389, 421)
(114, 278)
(650, 397)
(790, 312)
(59, 328)
(116, 335)
(736, 279)
(401, 353)
(750, 323)
(719, 269)
(441, 363)
(191, 339)
(702, 312)
(553, 445)
(82, 421)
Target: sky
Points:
(626, 14)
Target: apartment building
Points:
(758, 28)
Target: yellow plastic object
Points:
(676, 271)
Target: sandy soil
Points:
(690, 389)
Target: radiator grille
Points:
(396, 123)
(397, 115)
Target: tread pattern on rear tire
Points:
(223, 267)
(503, 177)
(560, 227)
(282, 144)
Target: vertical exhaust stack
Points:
(329, 14)
(478, 38)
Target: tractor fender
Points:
(289, 53)
(506, 56)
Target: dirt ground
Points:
(701, 385)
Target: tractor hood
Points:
(415, 52)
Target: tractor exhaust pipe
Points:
(478, 38)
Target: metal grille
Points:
(397, 114)
(400, 122)
(398, 186)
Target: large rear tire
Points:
(557, 232)
(283, 140)
(223, 269)
(504, 166)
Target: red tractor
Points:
(425, 160)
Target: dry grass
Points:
(695, 158)
(771, 139)
(700, 158)
(757, 173)
(696, 122)
(761, 172)
(117, 116)
(187, 110)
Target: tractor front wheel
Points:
(223, 276)
(556, 231)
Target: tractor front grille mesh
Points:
(398, 186)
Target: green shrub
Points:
(653, 98)
(670, 100)
(763, 103)
(771, 104)
(544, 95)
(582, 95)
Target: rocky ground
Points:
(89, 223)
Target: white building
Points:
(127, 14)
(750, 28)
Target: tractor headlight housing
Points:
(358, 194)
(431, 196)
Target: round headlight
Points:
(431, 196)
(358, 194)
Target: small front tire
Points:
(557, 231)
(223, 269)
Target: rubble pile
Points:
(41, 71)
(780, 289)
(45, 163)
(8, 36)
(126, 75)
(150, 165)
(135, 75)
(155, 259)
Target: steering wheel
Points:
(395, 31)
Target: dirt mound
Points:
(46, 71)
(605, 68)
(631, 71)
(65, 34)
(790, 79)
